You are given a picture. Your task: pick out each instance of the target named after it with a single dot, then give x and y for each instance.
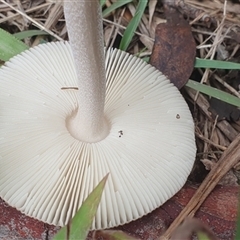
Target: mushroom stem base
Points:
(87, 131)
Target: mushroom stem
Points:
(84, 24)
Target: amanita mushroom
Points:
(60, 133)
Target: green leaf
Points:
(82, 221)
(202, 236)
(206, 63)
(145, 59)
(214, 92)
(115, 6)
(29, 33)
(132, 26)
(10, 45)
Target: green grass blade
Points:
(132, 26)
(214, 92)
(102, 2)
(115, 6)
(82, 221)
(10, 46)
(206, 63)
(29, 33)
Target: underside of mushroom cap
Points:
(47, 174)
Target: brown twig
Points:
(210, 142)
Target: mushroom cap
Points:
(47, 174)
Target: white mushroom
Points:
(60, 133)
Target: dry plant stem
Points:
(217, 41)
(210, 142)
(122, 27)
(33, 21)
(117, 28)
(13, 16)
(228, 160)
(188, 10)
(56, 12)
(201, 101)
(224, 125)
(216, 9)
(152, 8)
(213, 128)
(227, 129)
(231, 89)
(206, 135)
(223, 141)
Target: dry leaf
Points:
(174, 49)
